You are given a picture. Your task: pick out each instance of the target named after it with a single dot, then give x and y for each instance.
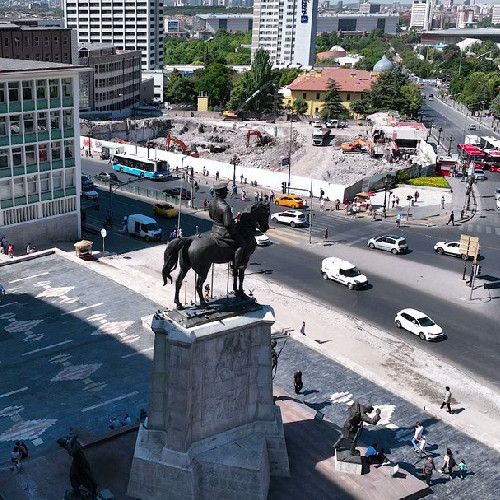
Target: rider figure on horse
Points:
(224, 229)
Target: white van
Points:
(344, 272)
(144, 227)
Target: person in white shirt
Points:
(419, 429)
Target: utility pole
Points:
(290, 146)
(235, 161)
(310, 213)
(449, 146)
(440, 131)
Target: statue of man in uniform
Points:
(224, 229)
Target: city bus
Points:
(141, 167)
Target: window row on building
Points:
(31, 91)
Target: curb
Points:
(23, 258)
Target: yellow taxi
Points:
(290, 201)
(165, 209)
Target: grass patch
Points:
(439, 182)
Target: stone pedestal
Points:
(213, 430)
(347, 463)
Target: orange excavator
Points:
(262, 140)
(185, 150)
(357, 146)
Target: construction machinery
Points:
(171, 140)
(319, 136)
(262, 140)
(236, 115)
(357, 146)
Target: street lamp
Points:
(290, 149)
(440, 131)
(449, 146)
(385, 196)
(235, 161)
(180, 195)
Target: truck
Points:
(143, 227)
(343, 272)
(319, 135)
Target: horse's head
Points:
(260, 212)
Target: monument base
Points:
(235, 464)
(347, 463)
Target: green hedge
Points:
(439, 182)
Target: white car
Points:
(450, 248)
(497, 194)
(389, 243)
(291, 217)
(344, 272)
(498, 204)
(479, 175)
(261, 239)
(419, 324)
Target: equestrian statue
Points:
(229, 241)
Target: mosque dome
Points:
(383, 65)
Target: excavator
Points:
(185, 150)
(357, 146)
(262, 140)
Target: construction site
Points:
(345, 156)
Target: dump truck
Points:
(319, 136)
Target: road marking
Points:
(29, 277)
(294, 234)
(488, 230)
(137, 352)
(283, 238)
(13, 392)
(109, 401)
(82, 309)
(45, 348)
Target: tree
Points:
(180, 89)
(411, 100)
(216, 81)
(333, 107)
(287, 76)
(300, 107)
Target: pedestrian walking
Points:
(204, 171)
(446, 400)
(442, 202)
(10, 251)
(216, 175)
(205, 204)
(462, 213)
(325, 236)
(419, 429)
(451, 219)
(271, 197)
(422, 445)
(322, 204)
(398, 220)
(235, 191)
(266, 198)
(397, 201)
(256, 196)
(416, 196)
(393, 202)
(337, 204)
(179, 233)
(448, 463)
(29, 249)
(321, 194)
(207, 291)
(243, 195)
(427, 470)
(297, 382)
(241, 179)
(173, 234)
(462, 469)
(303, 328)
(261, 196)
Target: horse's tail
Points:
(170, 257)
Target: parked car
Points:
(291, 217)
(290, 201)
(332, 123)
(174, 193)
(450, 248)
(344, 272)
(261, 239)
(87, 182)
(107, 176)
(389, 243)
(165, 209)
(472, 126)
(89, 193)
(419, 324)
(479, 175)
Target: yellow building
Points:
(312, 87)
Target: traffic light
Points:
(283, 187)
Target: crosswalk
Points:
(299, 235)
(482, 229)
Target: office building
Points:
(39, 152)
(495, 15)
(113, 88)
(28, 40)
(231, 23)
(421, 14)
(287, 30)
(358, 23)
(127, 25)
(369, 8)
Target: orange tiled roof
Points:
(348, 80)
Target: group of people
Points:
(176, 233)
(19, 453)
(115, 423)
(7, 248)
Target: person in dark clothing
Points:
(427, 470)
(297, 382)
(451, 219)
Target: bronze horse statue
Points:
(201, 251)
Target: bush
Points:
(439, 182)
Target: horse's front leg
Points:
(200, 280)
(241, 277)
(235, 278)
(178, 285)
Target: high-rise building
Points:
(286, 29)
(128, 25)
(495, 17)
(39, 152)
(421, 14)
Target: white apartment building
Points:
(39, 152)
(421, 14)
(127, 24)
(286, 29)
(495, 17)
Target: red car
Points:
(495, 169)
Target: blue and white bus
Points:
(142, 167)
